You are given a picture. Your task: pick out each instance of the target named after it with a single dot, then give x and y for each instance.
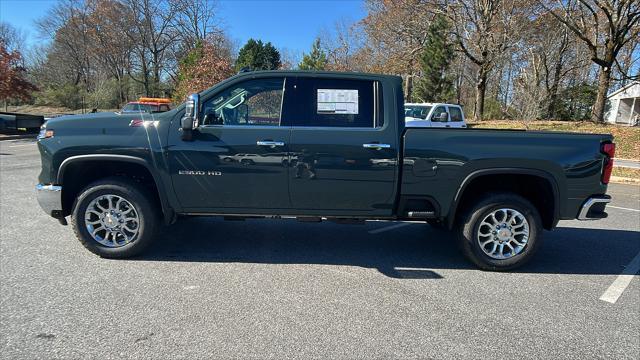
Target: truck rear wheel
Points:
(114, 218)
(502, 231)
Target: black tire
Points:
(469, 224)
(135, 194)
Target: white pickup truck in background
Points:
(434, 115)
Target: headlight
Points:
(45, 133)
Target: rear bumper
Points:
(50, 199)
(593, 208)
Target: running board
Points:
(309, 218)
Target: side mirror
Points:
(442, 117)
(190, 120)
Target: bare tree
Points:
(289, 58)
(396, 35)
(109, 21)
(67, 24)
(153, 32)
(628, 63)
(196, 20)
(12, 38)
(342, 45)
(605, 26)
(485, 30)
(552, 52)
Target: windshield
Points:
(417, 111)
(138, 108)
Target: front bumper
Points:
(593, 208)
(50, 199)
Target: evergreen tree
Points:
(258, 56)
(436, 85)
(315, 60)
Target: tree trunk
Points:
(481, 89)
(604, 81)
(408, 88)
(145, 76)
(553, 91)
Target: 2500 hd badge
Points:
(317, 145)
(199, 172)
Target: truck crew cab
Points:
(322, 146)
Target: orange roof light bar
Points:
(154, 100)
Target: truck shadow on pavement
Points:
(414, 251)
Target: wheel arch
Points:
(550, 218)
(128, 164)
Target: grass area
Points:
(627, 138)
(47, 110)
(626, 172)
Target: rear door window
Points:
(456, 114)
(337, 103)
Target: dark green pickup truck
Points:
(314, 146)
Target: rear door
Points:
(343, 151)
(456, 118)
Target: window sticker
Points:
(337, 101)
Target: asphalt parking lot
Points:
(284, 289)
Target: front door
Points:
(238, 160)
(440, 117)
(343, 155)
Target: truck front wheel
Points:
(114, 218)
(501, 231)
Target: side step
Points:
(421, 214)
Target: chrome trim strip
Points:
(376, 146)
(263, 127)
(589, 204)
(269, 143)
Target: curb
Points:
(624, 180)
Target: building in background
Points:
(624, 105)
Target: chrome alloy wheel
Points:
(503, 233)
(112, 221)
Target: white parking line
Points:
(622, 281)
(392, 227)
(622, 208)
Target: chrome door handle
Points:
(376, 146)
(270, 143)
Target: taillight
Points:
(608, 149)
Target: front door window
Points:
(250, 103)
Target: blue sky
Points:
(287, 24)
